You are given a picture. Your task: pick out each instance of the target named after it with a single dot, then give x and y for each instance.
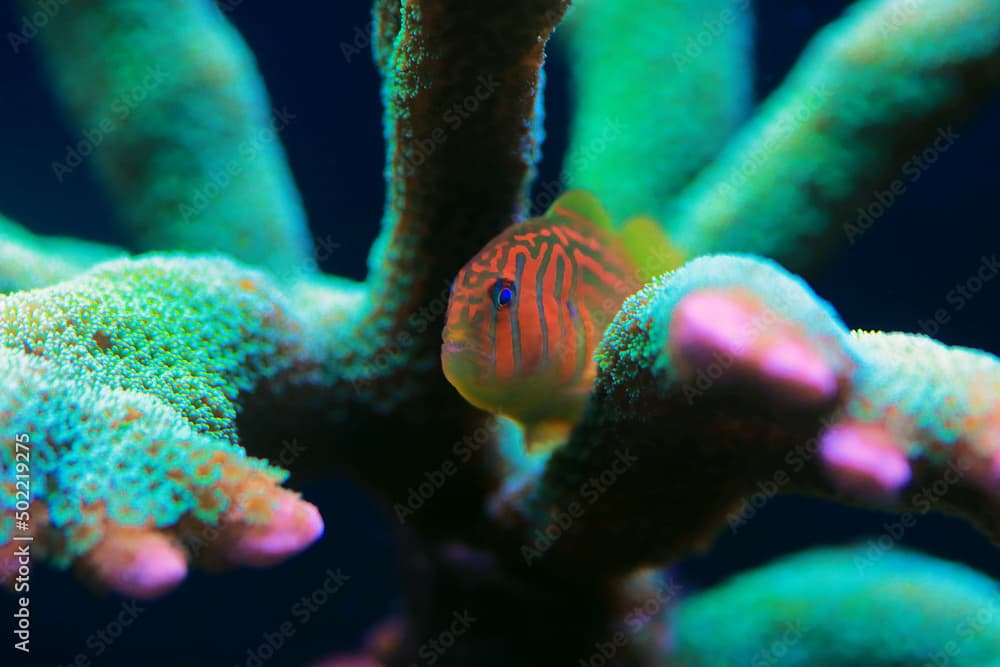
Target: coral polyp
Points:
(154, 394)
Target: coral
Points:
(872, 88)
(183, 133)
(669, 92)
(28, 260)
(906, 609)
(126, 378)
(729, 364)
(154, 388)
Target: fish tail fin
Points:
(644, 239)
(649, 246)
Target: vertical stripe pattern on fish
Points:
(527, 312)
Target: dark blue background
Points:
(899, 274)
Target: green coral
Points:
(28, 260)
(943, 391)
(646, 122)
(128, 377)
(100, 453)
(721, 399)
(168, 101)
(191, 332)
(907, 609)
(872, 89)
(652, 307)
(141, 380)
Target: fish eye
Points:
(503, 293)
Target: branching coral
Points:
(154, 387)
(730, 365)
(872, 88)
(28, 261)
(927, 612)
(156, 84)
(127, 379)
(699, 97)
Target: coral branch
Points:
(871, 90)
(659, 88)
(191, 332)
(460, 89)
(729, 375)
(140, 384)
(28, 261)
(167, 97)
(127, 379)
(830, 607)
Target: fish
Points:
(526, 313)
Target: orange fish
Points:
(527, 312)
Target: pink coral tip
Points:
(708, 323)
(712, 328)
(295, 525)
(863, 459)
(995, 470)
(991, 442)
(799, 371)
(988, 475)
(348, 661)
(141, 565)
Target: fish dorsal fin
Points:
(647, 244)
(650, 247)
(575, 204)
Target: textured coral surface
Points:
(159, 412)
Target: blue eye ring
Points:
(503, 293)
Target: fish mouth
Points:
(455, 347)
(452, 347)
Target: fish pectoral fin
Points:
(650, 248)
(543, 437)
(574, 204)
